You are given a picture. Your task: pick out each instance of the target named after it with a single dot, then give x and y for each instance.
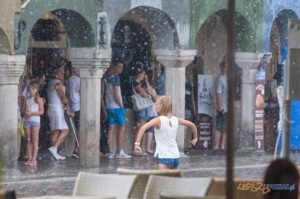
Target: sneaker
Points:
(53, 152)
(75, 155)
(59, 157)
(33, 163)
(111, 155)
(27, 162)
(122, 154)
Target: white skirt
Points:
(57, 120)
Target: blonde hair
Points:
(166, 105)
(37, 95)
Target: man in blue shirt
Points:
(115, 111)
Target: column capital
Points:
(248, 60)
(90, 62)
(11, 68)
(175, 58)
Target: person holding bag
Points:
(141, 116)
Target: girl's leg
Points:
(139, 124)
(144, 142)
(35, 141)
(149, 140)
(28, 143)
(162, 167)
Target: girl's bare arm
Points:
(153, 122)
(191, 126)
(140, 90)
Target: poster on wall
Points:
(205, 94)
(259, 110)
(205, 111)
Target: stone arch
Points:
(278, 36)
(157, 23)
(79, 30)
(76, 19)
(5, 47)
(135, 36)
(212, 46)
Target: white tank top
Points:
(31, 105)
(166, 145)
(55, 103)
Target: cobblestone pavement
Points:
(51, 177)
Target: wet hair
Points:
(166, 105)
(282, 171)
(38, 75)
(35, 85)
(69, 66)
(138, 71)
(116, 61)
(55, 70)
(222, 65)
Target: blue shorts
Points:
(116, 116)
(169, 162)
(141, 115)
(29, 124)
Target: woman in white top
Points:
(165, 130)
(57, 104)
(32, 109)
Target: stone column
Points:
(11, 68)
(175, 62)
(91, 65)
(248, 63)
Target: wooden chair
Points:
(169, 196)
(103, 185)
(68, 197)
(142, 178)
(217, 188)
(176, 187)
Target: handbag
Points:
(21, 129)
(140, 103)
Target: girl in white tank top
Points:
(33, 108)
(166, 127)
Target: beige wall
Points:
(7, 10)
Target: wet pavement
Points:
(51, 177)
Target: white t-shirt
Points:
(165, 136)
(73, 91)
(31, 105)
(111, 82)
(222, 89)
(54, 101)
